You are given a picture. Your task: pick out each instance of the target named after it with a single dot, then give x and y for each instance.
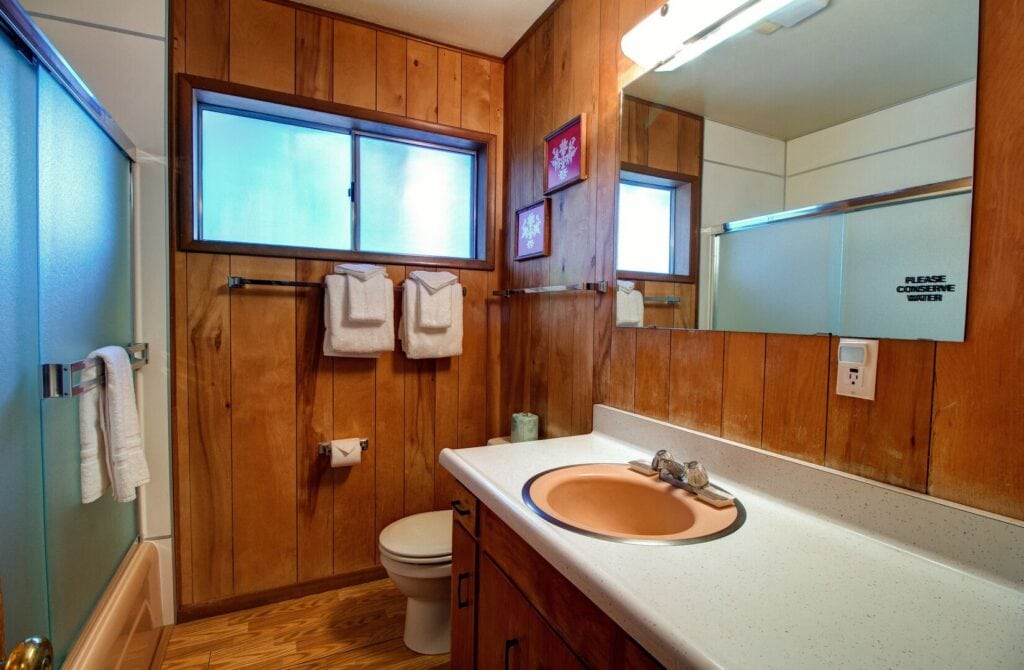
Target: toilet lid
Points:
(425, 535)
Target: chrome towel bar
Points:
(600, 287)
(242, 282)
(58, 377)
(662, 298)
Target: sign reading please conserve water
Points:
(925, 288)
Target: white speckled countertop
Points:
(829, 570)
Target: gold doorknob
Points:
(35, 653)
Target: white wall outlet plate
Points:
(858, 363)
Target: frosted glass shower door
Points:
(85, 302)
(22, 551)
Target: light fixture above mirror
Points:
(681, 31)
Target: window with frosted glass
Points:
(269, 181)
(646, 219)
(415, 199)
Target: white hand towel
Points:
(366, 286)
(430, 342)
(624, 285)
(434, 306)
(126, 459)
(362, 270)
(94, 477)
(348, 338)
(629, 308)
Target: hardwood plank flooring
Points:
(355, 627)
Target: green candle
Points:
(525, 427)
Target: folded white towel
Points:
(94, 477)
(348, 338)
(434, 306)
(625, 285)
(430, 342)
(126, 459)
(629, 307)
(366, 286)
(362, 270)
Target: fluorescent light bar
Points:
(661, 35)
(742, 20)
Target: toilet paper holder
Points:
(324, 448)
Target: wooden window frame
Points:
(695, 184)
(193, 91)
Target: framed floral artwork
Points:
(533, 230)
(565, 155)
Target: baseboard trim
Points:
(248, 600)
(124, 629)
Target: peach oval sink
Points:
(610, 501)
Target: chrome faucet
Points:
(689, 475)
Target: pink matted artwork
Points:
(565, 155)
(533, 230)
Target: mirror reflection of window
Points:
(654, 225)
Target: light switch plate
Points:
(858, 364)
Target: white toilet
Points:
(417, 553)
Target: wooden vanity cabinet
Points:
(511, 635)
(513, 609)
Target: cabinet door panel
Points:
(510, 634)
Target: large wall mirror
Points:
(809, 178)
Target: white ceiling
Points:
(853, 58)
(486, 26)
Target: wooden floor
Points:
(355, 627)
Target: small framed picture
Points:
(565, 155)
(533, 230)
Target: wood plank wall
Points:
(256, 510)
(947, 419)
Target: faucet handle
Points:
(660, 457)
(696, 475)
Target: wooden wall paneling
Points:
(695, 387)
(606, 175)
(206, 37)
(354, 73)
(420, 407)
(534, 272)
(389, 393)
(977, 457)
(796, 395)
(263, 426)
(355, 488)
(391, 75)
(586, 20)
(631, 12)
(622, 369)
(181, 451)
(449, 87)
(635, 117)
(743, 387)
(567, 207)
(209, 427)
(446, 418)
(651, 394)
(662, 139)
(497, 408)
(885, 439)
(263, 45)
(314, 422)
(691, 145)
(314, 55)
(476, 93)
(516, 313)
(421, 75)
(472, 392)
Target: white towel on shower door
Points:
(111, 408)
(93, 454)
